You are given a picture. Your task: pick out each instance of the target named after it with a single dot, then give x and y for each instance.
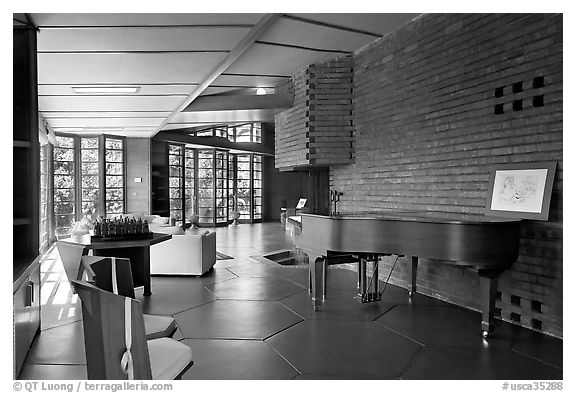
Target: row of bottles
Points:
(115, 227)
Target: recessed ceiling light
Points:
(106, 89)
(260, 91)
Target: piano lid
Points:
(421, 216)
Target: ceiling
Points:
(176, 61)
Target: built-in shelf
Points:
(21, 143)
(22, 221)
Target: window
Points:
(208, 132)
(206, 186)
(257, 133)
(250, 132)
(189, 176)
(44, 192)
(257, 187)
(231, 184)
(222, 132)
(212, 183)
(89, 179)
(90, 183)
(221, 187)
(64, 185)
(175, 171)
(244, 133)
(243, 195)
(114, 158)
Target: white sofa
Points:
(190, 254)
(184, 254)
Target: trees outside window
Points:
(206, 186)
(64, 184)
(175, 180)
(88, 179)
(90, 170)
(44, 197)
(213, 181)
(115, 179)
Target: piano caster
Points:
(485, 334)
(410, 294)
(316, 308)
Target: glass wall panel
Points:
(64, 175)
(244, 133)
(257, 187)
(175, 183)
(189, 180)
(90, 180)
(114, 172)
(257, 133)
(243, 185)
(221, 186)
(44, 197)
(206, 186)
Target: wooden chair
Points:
(115, 340)
(115, 275)
(80, 267)
(71, 255)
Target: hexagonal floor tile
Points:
(465, 362)
(448, 325)
(236, 359)
(537, 345)
(171, 299)
(345, 349)
(212, 276)
(53, 371)
(60, 345)
(252, 288)
(235, 319)
(257, 269)
(341, 305)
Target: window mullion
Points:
(78, 214)
(102, 176)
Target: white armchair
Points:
(184, 255)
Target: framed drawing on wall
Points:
(521, 190)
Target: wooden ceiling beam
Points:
(254, 34)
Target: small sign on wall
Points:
(137, 180)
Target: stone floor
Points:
(252, 319)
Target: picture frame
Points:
(521, 190)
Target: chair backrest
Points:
(71, 257)
(114, 335)
(112, 274)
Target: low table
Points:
(137, 250)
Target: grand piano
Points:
(487, 245)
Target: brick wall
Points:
(434, 110)
(317, 130)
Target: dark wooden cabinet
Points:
(26, 200)
(26, 313)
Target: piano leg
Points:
(488, 285)
(316, 276)
(412, 272)
(362, 277)
(324, 277)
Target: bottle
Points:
(145, 228)
(97, 229)
(105, 227)
(139, 225)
